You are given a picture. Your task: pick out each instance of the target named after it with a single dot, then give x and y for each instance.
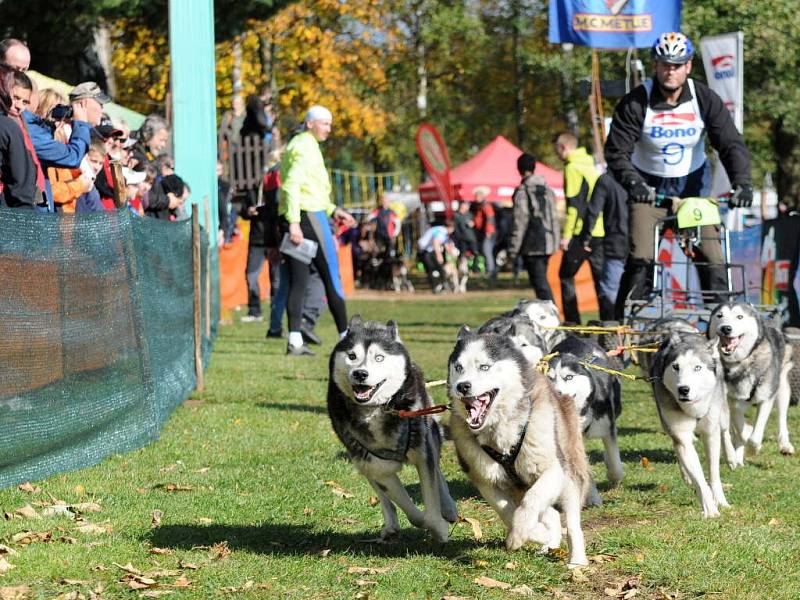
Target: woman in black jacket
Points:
(17, 170)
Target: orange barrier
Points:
(584, 285)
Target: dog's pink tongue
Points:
(477, 408)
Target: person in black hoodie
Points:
(17, 169)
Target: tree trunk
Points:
(236, 71)
(519, 84)
(102, 46)
(422, 68)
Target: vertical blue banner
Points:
(612, 23)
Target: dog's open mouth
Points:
(364, 393)
(728, 344)
(478, 407)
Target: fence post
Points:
(207, 215)
(198, 338)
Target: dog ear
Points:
(356, 322)
(464, 333)
(393, 331)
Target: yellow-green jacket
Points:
(580, 175)
(305, 184)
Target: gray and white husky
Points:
(656, 333)
(371, 377)
(596, 395)
(544, 315)
(519, 442)
(690, 395)
(757, 364)
(522, 332)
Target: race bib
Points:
(695, 212)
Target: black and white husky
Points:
(596, 395)
(519, 442)
(545, 316)
(690, 395)
(757, 365)
(372, 377)
(522, 332)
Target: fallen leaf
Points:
(173, 487)
(308, 511)
(74, 595)
(79, 490)
(28, 537)
(367, 570)
(348, 521)
(99, 568)
(646, 463)
(181, 582)
(19, 592)
(203, 470)
(477, 533)
(510, 565)
(92, 529)
(663, 488)
(7, 550)
(5, 566)
(161, 573)
(601, 558)
(580, 575)
(205, 521)
(155, 517)
(187, 565)
(29, 487)
(58, 510)
(324, 552)
(161, 551)
(154, 593)
(373, 500)
(639, 556)
(773, 522)
(28, 512)
(365, 582)
(491, 583)
(455, 598)
(219, 551)
(480, 563)
(85, 507)
(128, 568)
(137, 582)
(8, 516)
(73, 582)
(521, 590)
(66, 539)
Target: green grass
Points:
(257, 450)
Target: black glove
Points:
(641, 193)
(742, 196)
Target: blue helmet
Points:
(672, 47)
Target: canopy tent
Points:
(495, 167)
(115, 111)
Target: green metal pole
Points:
(191, 44)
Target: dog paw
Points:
(786, 448)
(752, 448)
(515, 540)
(389, 533)
(710, 512)
(577, 562)
(440, 530)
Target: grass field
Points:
(248, 494)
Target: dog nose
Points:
(464, 388)
(725, 330)
(683, 390)
(360, 375)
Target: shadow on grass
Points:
(635, 430)
(460, 489)
(299, 540)
(657, 455)
(296, 407)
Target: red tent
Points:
(495, 167)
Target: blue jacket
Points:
(55, 154)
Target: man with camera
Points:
(84, 112)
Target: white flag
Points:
(723, 58)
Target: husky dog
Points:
(757, 366)
(690, 396)
(518, 441)
(656, 333)
(400, 280)
(544, 315)
(596, 395)
(522, 332)
(371, 376)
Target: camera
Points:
(60, 112)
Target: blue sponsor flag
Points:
(612, 23)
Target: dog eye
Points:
(484, 367)
(458, 368)
(675, 367)
(379, 358)
(697, 367)
(351, 355)
(740, 317)
(568, 377)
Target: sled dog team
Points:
(518, 433)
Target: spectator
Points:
(255, 123)
(580, 175)
(230, 126)
(485, 228)
(86, 110)
(464, 234)
(95, 159)
(153, 138)
(610, 202)
(14, 53)
(534, 230)
(431, 253)
(168, 202)
(386, 226)
(133, 181)
(224, 216)
(21, 92)
(305, 206)
(17, 168)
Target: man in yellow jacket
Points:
(304, 207)
(580, 175)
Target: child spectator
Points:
(93, 165)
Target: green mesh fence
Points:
(96, 335)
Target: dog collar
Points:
(507, 460)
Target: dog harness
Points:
(399, 453)
(507, 460)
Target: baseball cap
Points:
(108, 131)
(88, 89)
(133, 177)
